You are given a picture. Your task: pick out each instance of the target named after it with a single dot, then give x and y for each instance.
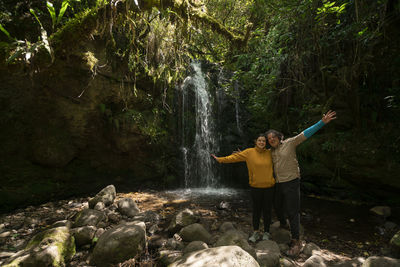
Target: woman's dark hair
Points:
(260, 135)
(275, 133)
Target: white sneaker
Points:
(255, 236)
(266, 236)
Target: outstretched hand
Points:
(215, 157)
(330, 115)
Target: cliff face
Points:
(71, 127)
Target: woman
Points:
(287, 174)
(261, 180)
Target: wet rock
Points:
(219, 256)
(314, 261)
(380, 262)
(112, 248)
(195, 246)
(195, 232)
(88, 217)
(128, 207)
(349, 263)
(106, 195)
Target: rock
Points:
(223, 205)
(83, 235)
(194, 246)
(174, 244)
(182, 219)
(314, 261)
(281, 236)
(128, 207)
(167, 257)
(389, 226)
(52, 247)
(383, 211)
(236, 238)
(226, 226)
(380, 262)
(99, 206)
(123, 242)
(156, 241)
(349, 263)
(88, 217)
(395, 244)
(62, 223)
(195, 232)
(268, 253)
(285, 262)
(310, 248)
(219, 256)
(106, 195)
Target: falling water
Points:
(198, 170)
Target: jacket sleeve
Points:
(237, 157)
(313, 129)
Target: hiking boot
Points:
(266, 236)
(295, 248)
(255, 236)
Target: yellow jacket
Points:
(259, 165)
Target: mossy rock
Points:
(52, 247)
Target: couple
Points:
(275, 172)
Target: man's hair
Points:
(275, 133)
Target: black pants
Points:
(262, 204)
(287, 203)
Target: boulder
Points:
(195, 232)
(382, 211)
(128, 207)
(281, 236)
(194, 246)
(53, 247)
(268, 253)
(218, 256)
(182, 219)
(376, 261)
(237, 238)
(123, 242)
(314, 261)
(395, 244)
(88, 217)
(226, 226)
(84, 235)
(310, 248)
(106, 195)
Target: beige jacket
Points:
(286, 166)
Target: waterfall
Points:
(198, 138)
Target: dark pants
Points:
(287, 203)
(262, 204)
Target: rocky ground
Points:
(343, 231)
